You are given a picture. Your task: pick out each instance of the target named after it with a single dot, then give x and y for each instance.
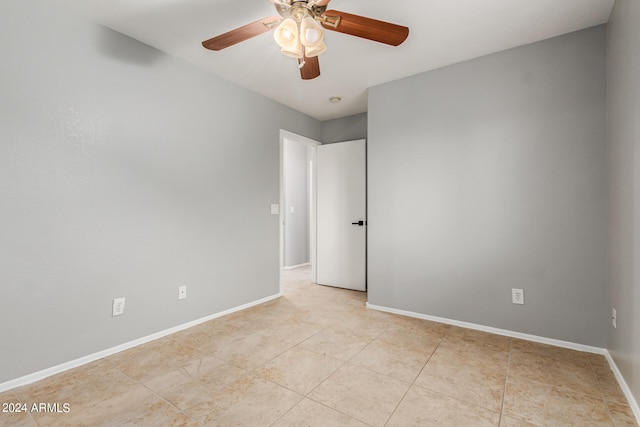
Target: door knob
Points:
(360, 223)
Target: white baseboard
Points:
(558, 343)
(623, 385)
(497, 331)
(40, 375)
(291, 267)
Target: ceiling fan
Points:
(299, 31)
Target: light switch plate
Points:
(275, 209)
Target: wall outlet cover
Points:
(118, 307)
(182, 292)
(517, 296)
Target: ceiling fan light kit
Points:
(300, 38)
(299, 31)
(312, 37)
(286, 36)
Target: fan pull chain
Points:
(301, 64)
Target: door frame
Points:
(284, 134)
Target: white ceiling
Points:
(442, 32)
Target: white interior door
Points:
(341, 215)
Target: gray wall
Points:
(124, 173)
(296, 185)
(490, 175)
(345, 129)
(623, 98)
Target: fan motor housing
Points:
(297, 9)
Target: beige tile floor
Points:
(318, 357)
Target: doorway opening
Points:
(298, 206)
(323, 210)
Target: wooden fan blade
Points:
(240, 34)
(310, 69)
(367, 28)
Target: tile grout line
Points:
(604, 397)
(15, 394)
(141, 383)
(395, 409)
(339, 411)
(287, 388)
(307, 396)
(416, 378)
(562, 388)
(506, 380)
(451, 396)
(328, 376)
(297, 345)
(572, 391)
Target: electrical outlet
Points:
(182, 292)
(614, 318)
(517, 296)
(118, 307)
